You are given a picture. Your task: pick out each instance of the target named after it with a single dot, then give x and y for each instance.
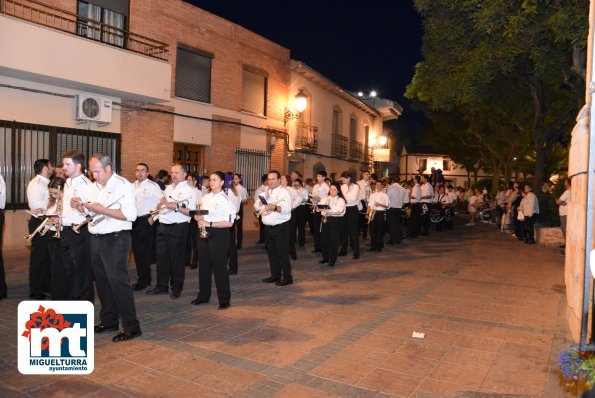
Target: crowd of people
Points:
(86, 219)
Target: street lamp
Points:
(301, 101)
(382, 140)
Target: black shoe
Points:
(294, 256)
(284, 282)
(233, 272)
(137, 287)
(315, 251)
(270, 279)
(331, 264)
(390, 242)
(530, 242)
(259, 242)
(156, 291)
(124, 335)
(355, 256)
(371, 249)
(323, 261)
(342, 254)
(223, 306)
(238, 247)
(199, 301)
(100, 328)
(175, 295)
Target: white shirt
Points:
(337, 205)
(116, 188)
(147, 195)
(260, 191)
(427, 190)
(452, 197)
(278, 196)
(379, 197)
(415, 194)
(530, 205)
(351, 194)
(37, 193)
(396, 195)
(442, 198)
(75, 187)
(220, 207)
(243, 192)
(2, 193)
(236, 201)
(364, 190)
(181, 192)
(296, 198)
(320, 190)
(563, 209)
(303, 192)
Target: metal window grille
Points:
(252, 164)
(339, 147)
(23, 143)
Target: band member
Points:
(161, 179)
(179, 199)
(39, 260)
(427, 193)
(260, 191)
(397, 197)
(214, 248)
(59, 172)
(286, 183)
(300, 212)
(75, 247)
(204, 185)
(235, 197)
(365, 189)
(309, 187)
(332, 228)
(414, 223)
(3, 287)
(147, 195)
(110, 245)
(192, 240)
(238, 226)
(378, 203)
(350, 229)
(319, 193)
(59, 277)
(275, 216)
(441, 202)
(452, 204)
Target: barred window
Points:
(193, 74)
(21, 144)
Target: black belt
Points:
(110, 234)
(277, 225)
(145, 216)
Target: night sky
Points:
(361, 46)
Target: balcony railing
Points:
(66, 21)
(307, 137)
(339, 147)
(356, 150)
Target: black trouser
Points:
(39, 261)
(212, 256)
(232, 255)
(109, 259)
(316, 219)
(394, 224)
(425, 219)
(60, 281)
(331, 234)
(191, 244)
(3, 287)
(350, 230)
(277, 250)
(448, 224)
(529, 227)
(518, 225)
(301, 213)
(414, 222)
(309, 218)
(377, 230)
(291, 238)
(363, 222)
(171, 245)
(77, 262)
(262, 229)
(142, 247)
(238, 227)
(440, 224)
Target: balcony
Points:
(356, 150)
(339, 146)
(66, 21)
(307, 137)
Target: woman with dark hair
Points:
(331, 229)
(351, 194)
(213, 249)
(60, 283)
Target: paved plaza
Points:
(492, 310)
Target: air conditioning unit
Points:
(93, 108)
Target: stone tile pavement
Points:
(491, 308)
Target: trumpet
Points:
(163, 209)
(371, 215)
(42, 229)
(204, 234)
(93, 219)
(58, 234)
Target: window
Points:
(445, 165)
(353, 128)
(103, 20)
(254, 92)
(423, 165)
(193, 75)
(337, 116)
(23, 143)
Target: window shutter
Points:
(193, 75)
(254, 93)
